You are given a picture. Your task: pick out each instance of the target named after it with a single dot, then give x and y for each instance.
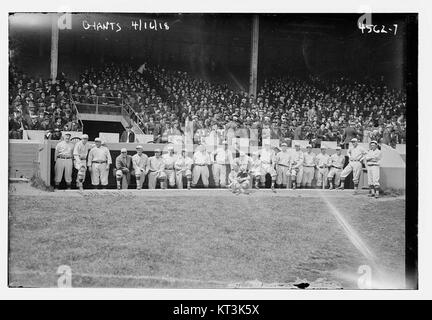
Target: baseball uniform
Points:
(63, 162)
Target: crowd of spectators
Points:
(170, 102)
(38, 104)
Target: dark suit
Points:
(124, 135)
(125, 166)
(348, 134)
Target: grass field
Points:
(204, 238)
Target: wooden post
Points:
(253, 75)
(54, 46)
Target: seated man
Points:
(122, 169)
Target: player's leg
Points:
(119, 176)
(370, 181)
(205, 176)
(171, 178)
(357, 169)
(179, 179)
(95, 175)
(330, 177)
(324, 174)
(196, 172)
(152, 180)
(163, 178)
(273, 175)
(81, 176)
(216, 168)
(337, 176)
(279, 175)
(299, 177)
(223, 176)
(68, 172)
(104, 175)
(294, 178)
(345, 173)
(59, 169)
(188, 178)
(376, 178)
(139, 174)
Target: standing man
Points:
(139, 164)
(255, 170)
(297, 158)
(373, 158)
(221, 158)
(267, 157)
(322, 163)
(80, 153)
(183, 168)
(156, 170)
(169, 160)
(99, 161)
(309, 164)
(63, 161)
(128, 136)
(337, 161)
(356, 155)
(201, 161)
(123, 168)
(349, 133)
(283, 159)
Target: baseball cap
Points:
(284, 144)
(67, 134)
(242, 154)
(354, 140)
(157, 150)
(84, 136)
(338, 148)
(323, 148)
(224, 142)
(170, 148)
(296, 144)
(139, 147)
(98, 140)
(123, 150)
(373, 141)
(308, 146)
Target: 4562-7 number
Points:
(376, 28)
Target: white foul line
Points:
(355, 239)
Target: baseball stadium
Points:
(208, 150)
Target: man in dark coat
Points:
(128, 136)
(123, 167)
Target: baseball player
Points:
(242, 182)
(255, 169)
(232, 178)
(322, 165)
(139, 164)
(80, 153)
(99, 161)
(267, 157)
(243, 162)
(309, 163)
(183, 168)
(283, 159)
(297, 158)
(201, 161)
(156, 170)
(373, 158)
(336, 163)
(63, 161)
(169, 159)
(221, 157)
(356, 155)
(123, 167)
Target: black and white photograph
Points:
(206, 150)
